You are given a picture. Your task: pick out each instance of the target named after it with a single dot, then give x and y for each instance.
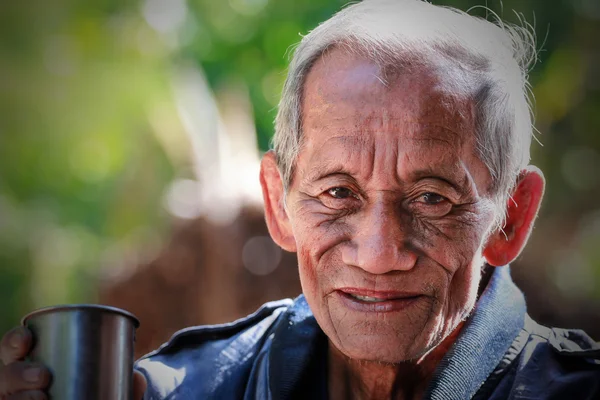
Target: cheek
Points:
(317, 236)
(314, 285)
(456, 246)
(307, 271)
(463, 290)
(466, 280)
(453, 243)
(317, 233)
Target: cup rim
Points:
(71, 307)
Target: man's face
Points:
(389, 208)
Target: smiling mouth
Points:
(367, 298)
(368, 301)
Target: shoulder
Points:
(214, 353)
(554, 363)
(568, 347)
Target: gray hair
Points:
(496, 57)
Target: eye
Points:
(340, 193)
(432, 198)
(432, 205)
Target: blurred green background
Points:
(112, 121)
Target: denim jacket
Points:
(279, 352)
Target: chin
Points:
(387, 349)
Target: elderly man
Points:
(400, 176)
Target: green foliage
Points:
(79, 166)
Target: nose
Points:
(381, 243)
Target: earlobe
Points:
(276, 216)
(505, 245)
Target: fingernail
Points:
(32, 374)
(16, 339)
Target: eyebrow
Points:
(319, 172)
(451, 179)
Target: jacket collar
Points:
(299, 345)
(488, 334)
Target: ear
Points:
(505, 245)
(277, 219)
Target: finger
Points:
(28, 395)
(139, 385)
(15, 345)
(20, 376)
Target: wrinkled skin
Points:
(410, 214)
(388, 195)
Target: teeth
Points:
(367, 298)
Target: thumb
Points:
(139, 385)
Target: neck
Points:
(358, 380)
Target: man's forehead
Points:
(360, 155)
(414, 145)
(402, 132)
(341, 84)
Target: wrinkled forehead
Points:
(344, 90)
(358, 115)
(375, 157)
(399, 137)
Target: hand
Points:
(22, 380)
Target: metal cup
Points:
(88, 349)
